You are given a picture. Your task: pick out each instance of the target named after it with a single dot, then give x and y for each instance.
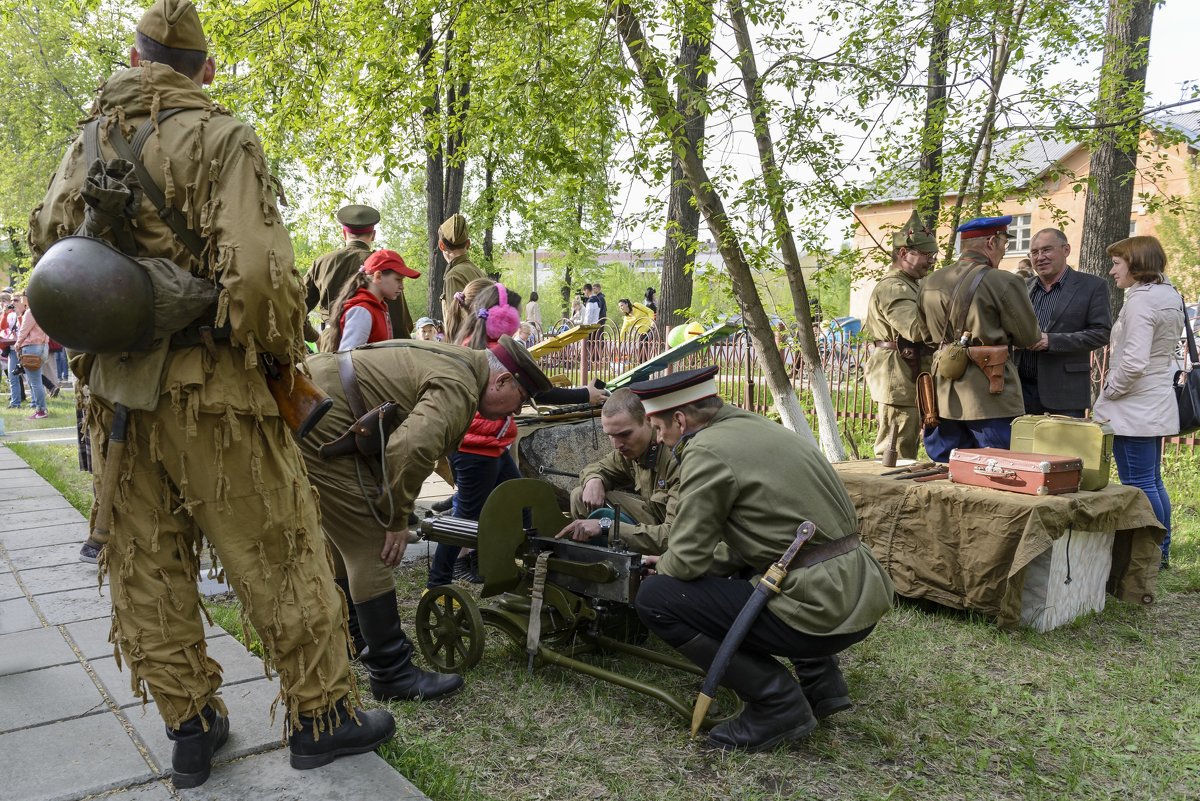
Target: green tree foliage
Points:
(1180, 236)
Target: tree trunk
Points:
(929, 202)
(683, 218)
(831, 439)
(657, 97)
(434, 189)
(1114, 155)
(489, 206)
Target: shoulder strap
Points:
(1191, 338)
(354, 398)
(132, 153)
(956, 315)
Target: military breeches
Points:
(353, 531)
(631, 504)
(238, 482)
(907, 421)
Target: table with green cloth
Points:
(974, 548)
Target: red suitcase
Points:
(1013, 471)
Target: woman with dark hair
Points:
(361, 314)
(533, 312)
(1138, 399)
(649, 301)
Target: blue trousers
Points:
(1139, 464)
(16, 386)
(995, 432)
(475, 476)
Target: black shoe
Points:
(339, 735)
(191, 758)
(444, 505)
(823, 685)
(388, 657)
(355, 632)
(90, 552)
(775, 711)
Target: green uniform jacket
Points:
(211, 167)
(1000, 314)
(437, 387)
(327, 279)
(459, 273)
(655, 478)
(892, 313)
(749, 483)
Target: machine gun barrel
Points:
(451, 530)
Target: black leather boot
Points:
(355, 633)
(191, 758)
(339, 736)
(388, 657)
(823, 685)
(775, 708)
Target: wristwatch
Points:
(605, 525)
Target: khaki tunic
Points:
(207, 451)
(327, 278)
(437, 387)
(1000, 314)
(459, 273)
(654, 479)
(730, 496)
(893, 313)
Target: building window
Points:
(1020, 229)
(1133, 227)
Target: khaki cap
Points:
(175, 24)
(516, 359)
(358, 216)
(915, 235)
(454, 231)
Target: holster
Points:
(927, 401)
(991, 360)
(910, 354)
(366, 435)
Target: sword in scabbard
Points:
(768, 587)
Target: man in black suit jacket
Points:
(1072, 310)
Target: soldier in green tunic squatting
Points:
(640, 475)
(894, 322)
(738, 512)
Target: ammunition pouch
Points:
(927, 401)
(367, 435)
(950, 361)
(991, 360)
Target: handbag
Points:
(31, 361)
(1187, 386)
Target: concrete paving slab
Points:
(9, 588)
(27, 504)
(77, 576)
(33, 649)
(154, 791)
(68, 532)
(250, 728)
(73, 605)
(20, 480)
(237, 665)
(270, 776)
(83, 757)
(47, 695)
(45, 556)
(39, 518)
(17, 615)
(27, 489)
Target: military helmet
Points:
(91, 297)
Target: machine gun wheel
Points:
(449, 630)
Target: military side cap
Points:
(384, 259)
(516, 360)
(915, 235)
(174, 23)
(358, 219)
(677, 389)
(454, 231)
(985, 226)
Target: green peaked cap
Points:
(915, 235)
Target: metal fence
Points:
(740, 378)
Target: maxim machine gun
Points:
(557, 599)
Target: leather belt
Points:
(815, 554)
(886, 344)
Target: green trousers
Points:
(907, 421)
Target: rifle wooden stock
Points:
(301, 403)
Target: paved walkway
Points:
(70, 727)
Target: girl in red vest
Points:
(361, 315)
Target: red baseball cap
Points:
(385, 259)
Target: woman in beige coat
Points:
(1138, 399)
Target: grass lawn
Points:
(948, 707)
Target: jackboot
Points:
(775, 708)
(355, 633)
(823, 685)
(339, 735)
(388, 657)
(191, 757)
